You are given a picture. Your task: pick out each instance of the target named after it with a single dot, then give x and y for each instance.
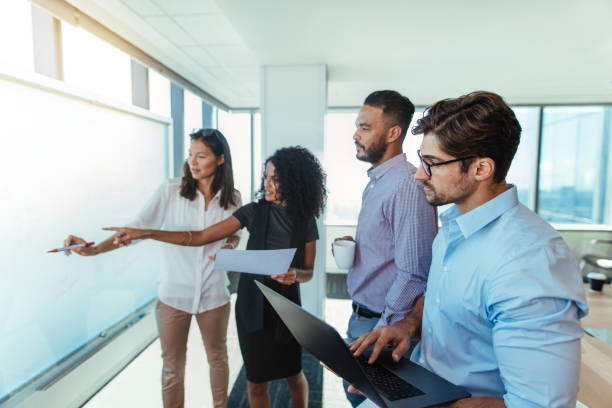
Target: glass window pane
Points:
(257, 159)
(16, 49)
(412, 143)
(237, 129)
(159, 94)
(573, 165)
(94, 65)
(522, 172)
(193, 116)
(346, 176)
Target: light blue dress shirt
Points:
(502, 306)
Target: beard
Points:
(372, 153)
(462, 190)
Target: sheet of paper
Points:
(261, 262)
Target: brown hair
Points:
(478, 124)
(224, 175)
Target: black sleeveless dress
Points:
(268, 349)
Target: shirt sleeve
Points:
(536, 330)
(238, 205)
(414, 225)
(153, 213)
(312, 232)
(245, 215)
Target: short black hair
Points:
(393, 105)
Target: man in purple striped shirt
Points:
(396, 225)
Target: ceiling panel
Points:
(201, 56)
(550, 51)
(186, 7)
(245, 74)
(171, 30)
(143, 7)
(232, 55)
(209, 29)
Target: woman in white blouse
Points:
(188, 285)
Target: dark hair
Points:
(301, 181)
(224, 176)
(393, 105)
(478, 124)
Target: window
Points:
(94, 65)
(193, 116)
(16, 48)
(257, 159)
(159, 94)
(347, 176)
(522, 172)
(574, 165)
(236, 127)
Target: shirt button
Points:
(422, 360)
(429, 331)
(446, 269)
(438, 300)
(371, 185)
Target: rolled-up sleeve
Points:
(414, 225)
(153, 213)
(536, 332)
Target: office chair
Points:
(597, 261)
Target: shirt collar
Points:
(472, 221)
(217, 195)
(377, 172)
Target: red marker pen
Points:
(85, 245)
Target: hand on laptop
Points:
(397, 336)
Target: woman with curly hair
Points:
(292, 195)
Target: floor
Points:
(138, 385)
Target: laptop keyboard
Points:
(389, 384)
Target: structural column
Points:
(207, 115)
(140, 85)
(47, 39)
(177, 111)
(293, 106)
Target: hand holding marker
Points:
(85, 245)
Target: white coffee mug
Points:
(344, 253)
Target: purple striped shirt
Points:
(395, 231)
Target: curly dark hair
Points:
(301, 181)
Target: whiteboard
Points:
(69, 164)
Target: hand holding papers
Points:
(261, 262)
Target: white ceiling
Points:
(547, 51)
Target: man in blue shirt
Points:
(500, 314)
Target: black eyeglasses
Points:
(427, 166)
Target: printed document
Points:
(261, 262)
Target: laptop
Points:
(386, 383)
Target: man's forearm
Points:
(414, 319)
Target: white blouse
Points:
(187, 279)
